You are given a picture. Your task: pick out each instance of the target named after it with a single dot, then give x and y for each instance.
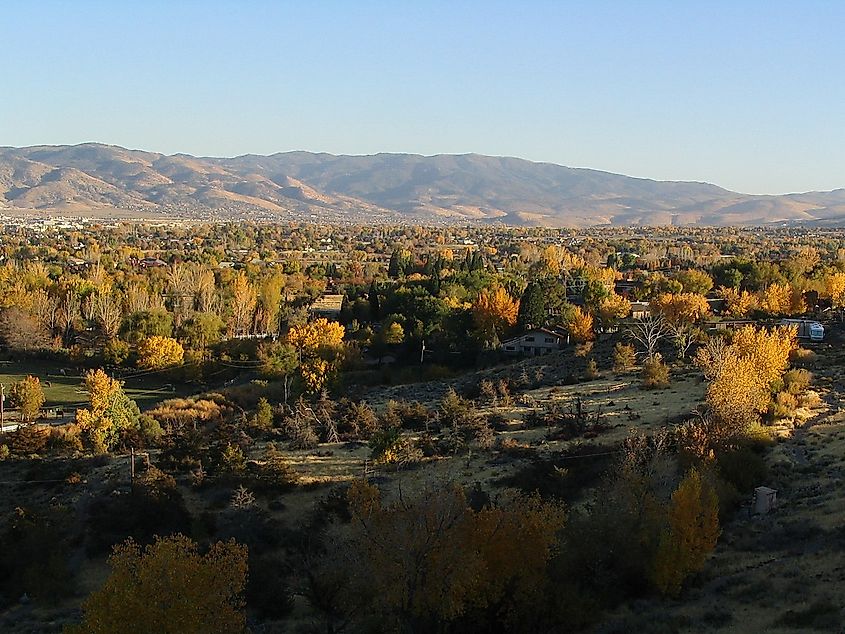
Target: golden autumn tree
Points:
(613, 308)
(319, 346)
(834, 288)
(690, 536)
(320, 333)
(170, 587)
(109, 412)
(494, 312)
(426, 559)
(244, 299)
(28, 396)
(782, 299)
(741, 374)
(580, 325)
(738, 304)
(679, 308)
(157, 353)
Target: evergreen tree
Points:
(532, 310)
(375, 304)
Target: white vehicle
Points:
(807, 328)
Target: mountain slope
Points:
(381, 187)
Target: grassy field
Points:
(68, 391)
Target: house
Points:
(639, 310)
(327, 305)
(535, 342)
(151, 263)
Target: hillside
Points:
(98, 178)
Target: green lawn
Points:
(68, 391)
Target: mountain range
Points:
(103, 180)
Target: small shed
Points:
(765, 499)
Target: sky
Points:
(747, 95)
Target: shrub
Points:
(783, 406)
(592, 371)
(358, 420)
(797, 381)
(232, 460)
(742, 467)
(655, 374)
(151, 431)
(624, 357)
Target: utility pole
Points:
(2, 404)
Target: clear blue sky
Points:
(748, 95)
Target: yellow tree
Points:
(110, 411)
(679, 308)
(243, 304)
(580, 325)
(741, 374)
(613, 308)
(157, 353)
(691, 535)
(320, 333)
(834, 287)
(28, 396)
(170, 587)
(494, 311)
(738, 304)
(782, 299)
(319, 346)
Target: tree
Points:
(243, 304)
(28, 396)
(580, 325)
(427, 559)
(649, 332)
(319, 345)
(392, 334)
(170, 587)
(613, 308)
(201, 330)
(494, 312)
(147, 323)
(691, 535)
(781, 299)
(320, 333)
(686, 308)
(158, 353)
(738, 304)
(110, 411)
(695, 281)
(375, 304)
(279, 360)
(532, 308)
(741, 375)
(834, 286)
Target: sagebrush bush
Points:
(655, 374)
(624, 357)
(797, 381)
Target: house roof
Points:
(328, 303)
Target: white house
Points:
(535, 342)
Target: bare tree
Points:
(106, 311)
(649, 332)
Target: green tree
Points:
(532, 308)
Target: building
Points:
(328, 306)
(535, 342)
(640, 310)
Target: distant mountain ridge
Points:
(90, 177)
